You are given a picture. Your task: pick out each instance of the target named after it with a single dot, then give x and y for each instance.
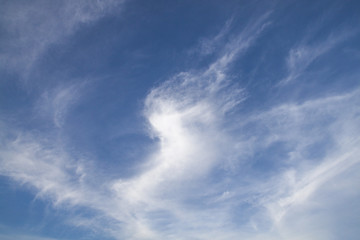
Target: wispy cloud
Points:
(302, 56)
(328, 125)
(32, 27)
(320, 140)
(56, 103)
(208, 46)
(28, 161)
(185, 114)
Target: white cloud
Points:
(185, 113)
(302, 56)
(31, 27)
(56, 103)
(210, 45)
(202, 180)
(305, 179)
(29, 162)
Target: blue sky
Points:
(179, 120)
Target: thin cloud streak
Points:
(56, 103)
(209, 46)
(302, 56)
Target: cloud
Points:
(31, 27)
(206, 176)
(185, 114)
(29, 162)
(322, 140)
(208, 46)
(56, 103)
(302, 56)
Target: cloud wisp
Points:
(323, 135)
(302, 56)
(33, 27)
(56, 104)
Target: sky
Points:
(179, 120)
